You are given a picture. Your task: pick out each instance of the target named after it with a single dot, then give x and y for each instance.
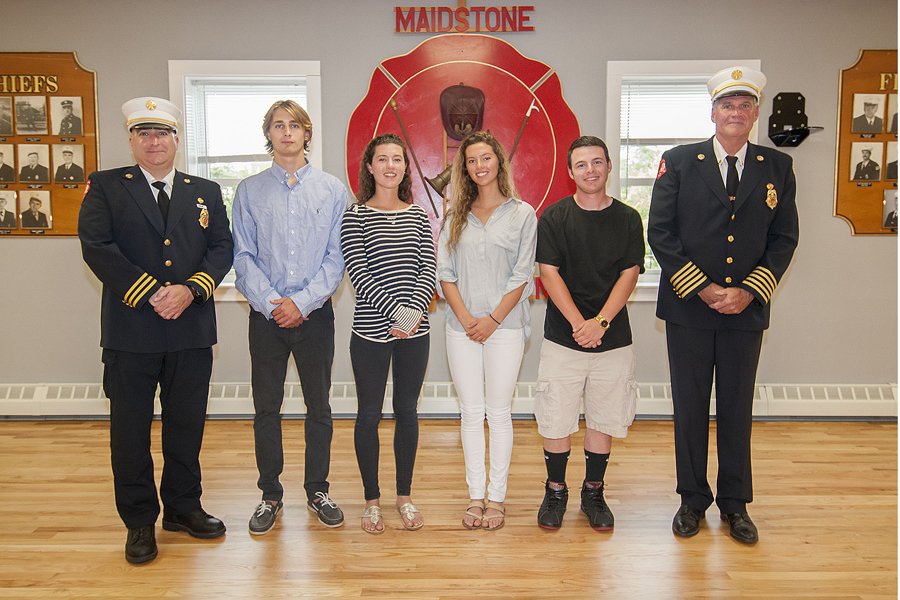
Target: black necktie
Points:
(731, 179)
(162, 198)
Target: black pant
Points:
(371, 361)
(129, 381)
(694, 354)
(312, 344)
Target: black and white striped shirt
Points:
(391, 263)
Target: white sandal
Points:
(408, 511)
(373, 513)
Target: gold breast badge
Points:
(771, 196)
(204, 215)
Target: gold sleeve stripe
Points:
(766, 297)
(762, 280)
(137, 291)
(766, 274)
(687, 279)
(203, 277)
(761, 286)
(204, 281)
(689, 265)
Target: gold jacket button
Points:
(167, 242)
(728, 280)
(729, 260)
(168, 283)
(169, 262)
(730, 239)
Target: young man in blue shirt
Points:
(288, 260)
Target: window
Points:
(223, 105)
(653, 106)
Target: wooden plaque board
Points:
(48, 108)
(865, 188)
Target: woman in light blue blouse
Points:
(485, 269)
(389, 253)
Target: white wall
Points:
(834, 317)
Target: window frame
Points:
(648, 283)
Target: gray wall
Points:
(834, 316)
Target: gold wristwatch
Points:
(603, 322)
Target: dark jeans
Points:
(312, 344)
(129, 381)
(371, 361)
(694, 355)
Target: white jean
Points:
(485, 377)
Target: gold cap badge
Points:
(151, 105)
(737, 74)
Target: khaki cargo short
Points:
(604, 379)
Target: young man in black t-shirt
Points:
(590, 251)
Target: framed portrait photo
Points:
(8, 209)
(7, 163)
(68, 163)
(892, 113)
(890, 171)
(33, 161)
(65, 116)
(889, 215)
(31, 115)
(6, 116)
(866, 161)
(35, 211)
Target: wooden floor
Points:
(826, 508)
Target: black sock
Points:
(595, 466)
(556, 465)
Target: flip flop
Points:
(501, 516)
(373, 513)
(408, 511)
(474, 504)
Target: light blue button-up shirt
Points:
(489, 261)
(287, 240)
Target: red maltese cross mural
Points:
(453, 84)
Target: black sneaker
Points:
(595, 507)
(329, 513)
(550, 514)
(263, 519)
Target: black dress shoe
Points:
(742, 528)
(140, 547)
(198, 523)
(687, 521)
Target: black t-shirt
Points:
(591, 248)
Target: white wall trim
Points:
(439, 400)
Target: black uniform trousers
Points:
(130, 380)
(694, 355)
(312, 344)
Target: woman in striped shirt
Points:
(486, 267)
(389, 253)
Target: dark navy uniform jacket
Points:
(700, 236)
(126, 245)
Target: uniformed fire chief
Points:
(160, 243)
(723, 226)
